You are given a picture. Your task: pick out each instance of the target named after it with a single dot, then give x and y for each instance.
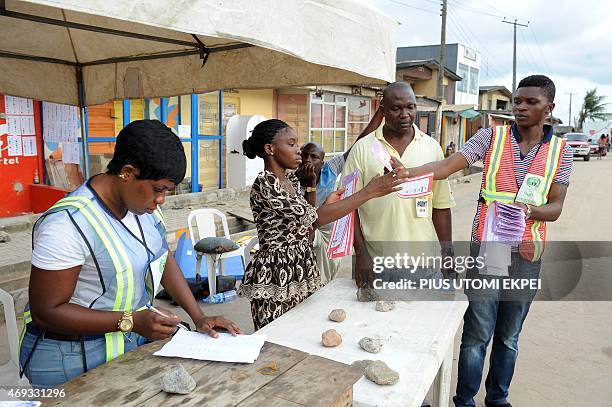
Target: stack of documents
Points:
(504, 228)
(508, 223)
(225, 348)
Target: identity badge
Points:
(532, 190)
(422, 207)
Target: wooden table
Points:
(418, 339)
(134, 380)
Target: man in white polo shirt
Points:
(385, 224)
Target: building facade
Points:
(460, 59)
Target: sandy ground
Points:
(565, 347)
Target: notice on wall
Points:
(184, 131)
(15, 147)
(18, 106)
(60, 123)
(29, 146)
(19, 113)
(71, 153)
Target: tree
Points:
(593, 107)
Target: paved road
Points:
(565, 349)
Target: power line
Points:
(474, 10)
(413, 7)
(535, 63)
(497, 9)
(540, 48)
(514, 23)
(474, 41)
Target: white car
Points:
(579, 142)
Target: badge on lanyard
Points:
(157, 270)
(422, 207)
(532, 190)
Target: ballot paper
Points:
(343, 230)
(381, 154)
(225, 348)
(503, 229)
(417, 186)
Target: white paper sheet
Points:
(14, 125)
(71, 153)
(184, 131)
(15, 148)
(29, 146)
(27, 126)
(3, 129)
(60, 123)
(225, 348)
(14, 105)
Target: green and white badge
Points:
(532, 190)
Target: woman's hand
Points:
(386, 184)
(154, 326)
(207, 324)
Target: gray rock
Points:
(178, 381)
(331, 338)
(380, 373)
(385, 306)
(366, 294)
(372, 345)
(337, 315)
(4, 237)
(362, 364)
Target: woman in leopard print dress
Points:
(283, 272)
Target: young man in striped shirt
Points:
(523, 157)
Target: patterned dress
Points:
(283, 272)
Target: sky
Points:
(570, 41)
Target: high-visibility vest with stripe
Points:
(499, 184)
(114, 250)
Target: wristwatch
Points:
(528, 211)
(126, 323)
(310, 189)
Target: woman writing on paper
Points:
(283, 272)
(98, 258)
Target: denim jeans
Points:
(497, 314)
(55, 362)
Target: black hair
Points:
(153, 148)
(262, 134)
(542, 82)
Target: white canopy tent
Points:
(84, 52)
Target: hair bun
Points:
(248, 150)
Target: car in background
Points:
(594, 144)
(580, 145)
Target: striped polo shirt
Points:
(476, 148)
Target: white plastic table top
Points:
(416, 335)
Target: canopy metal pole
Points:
(195, 143)
(82, 113)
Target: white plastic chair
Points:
(205, 222)
(9, 372)
(252, 244)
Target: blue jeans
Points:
(496, 314)
(55, 362)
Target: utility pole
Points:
(569, 119)
(442, 53)
(514, 23)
